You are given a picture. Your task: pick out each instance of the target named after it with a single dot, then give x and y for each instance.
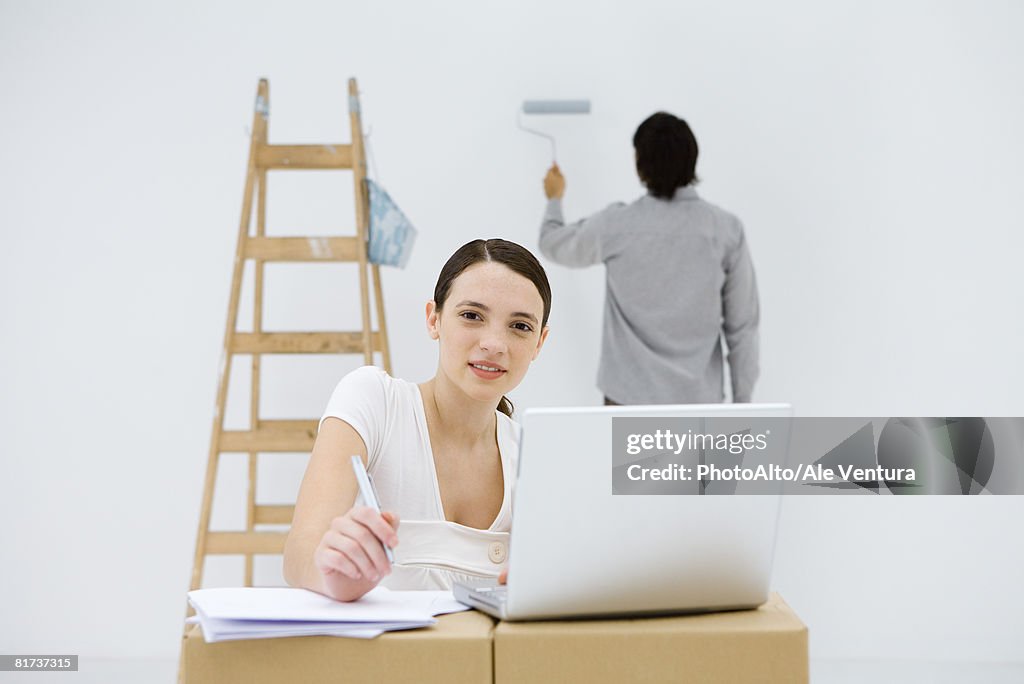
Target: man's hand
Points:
(554, 183)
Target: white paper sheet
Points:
(233, 613)
(286, 603)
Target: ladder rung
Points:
(302, 343)
(245, 542)
(303, 249)
(270, 436)
(304, 156)
(274, 514)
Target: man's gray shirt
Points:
(679, 277)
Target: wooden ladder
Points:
(265, 436)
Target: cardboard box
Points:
(457, 649)
(768, 644)
(764, 645)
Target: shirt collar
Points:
(687, 192)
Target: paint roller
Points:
(551, 107)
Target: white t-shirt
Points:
(432, 552)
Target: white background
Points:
(873, 150)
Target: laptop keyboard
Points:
(493, 595)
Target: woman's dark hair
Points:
(515, 257)
(666, 154)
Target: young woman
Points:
(442, 454)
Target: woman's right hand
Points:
(350, 555)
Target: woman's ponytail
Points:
(506, 407)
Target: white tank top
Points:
(432, 552)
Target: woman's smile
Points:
(487, 371)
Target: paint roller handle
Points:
(554, 183)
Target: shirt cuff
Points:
(553, 211)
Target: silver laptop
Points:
(578, 549)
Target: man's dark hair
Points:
(666, 154)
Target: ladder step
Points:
(303, 248)
(274, 514)
(245, 542)
(271, 436)
(302, 343)
(304, 156)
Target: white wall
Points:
(873, 150)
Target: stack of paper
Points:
(269, 612)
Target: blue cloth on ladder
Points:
(391, 233)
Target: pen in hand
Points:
(369, 496)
